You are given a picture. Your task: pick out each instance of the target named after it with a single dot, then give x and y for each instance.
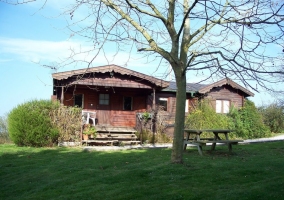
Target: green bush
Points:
(29, 124)
(248, 122)
(273, 116)
(205, 117)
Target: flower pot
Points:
(85, 137)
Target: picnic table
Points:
(193, 138)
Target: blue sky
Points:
(30, 36)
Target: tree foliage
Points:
(4, 136)
(3, 125)
(273, 116)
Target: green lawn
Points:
(254, 171)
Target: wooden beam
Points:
(154, 98)
(62, 95)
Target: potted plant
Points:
(89, 131)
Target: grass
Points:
(254, 171)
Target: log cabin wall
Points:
(236, 97)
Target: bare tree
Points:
(240, 39)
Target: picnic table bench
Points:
(199, 142)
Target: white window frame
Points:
(222, 106)
(164, 99)
(186, 105)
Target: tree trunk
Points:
(177, 150)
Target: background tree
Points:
(240, 39)
(4, 136)
(273, 116)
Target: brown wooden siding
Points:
(124, 118)
(226, 93)
(192, 103)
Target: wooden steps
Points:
(108, 135)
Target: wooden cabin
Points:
(116, 95)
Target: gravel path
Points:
(276, 138)
(169, 145)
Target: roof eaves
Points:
(224, 82)
(109, 68)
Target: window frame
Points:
(82, 100)
(222, 106)
(163, 99)
(186, 105)
(104, 101)
(131, 103)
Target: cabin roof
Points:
(225, 81)
(111, 68)
(166, 85)
(205, 88)
(190, 87)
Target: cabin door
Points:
(104, 117)
(103, 110)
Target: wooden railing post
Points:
(62, 95)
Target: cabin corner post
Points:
(154, 117)
(154, 98)
(62, 95)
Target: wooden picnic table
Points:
(199, 142)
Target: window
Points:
(186, 105)
(127, 103)
(163, 103)
(222, 106)
(78, 100)
(104, 99)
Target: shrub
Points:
(205, 117)
(29, 124)
(68, 121)
(273, 117)
(148, 136)
(248, 122)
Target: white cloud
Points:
(46, 52)
(35, 50)
(5, 60)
